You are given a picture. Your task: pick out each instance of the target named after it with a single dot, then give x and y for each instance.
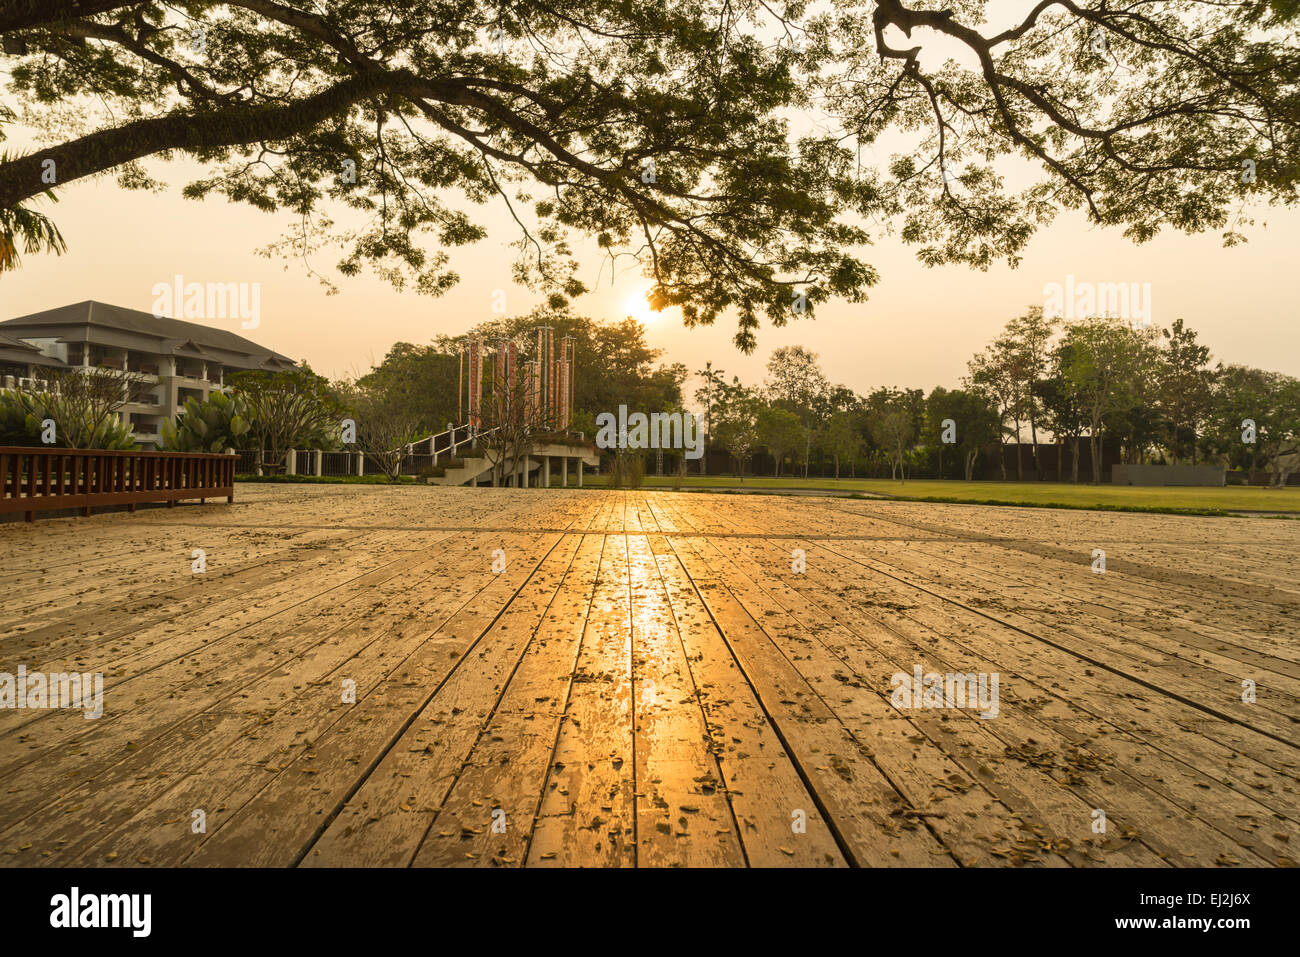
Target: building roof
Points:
(101, 323)
(24, 353)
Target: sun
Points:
(636, 306)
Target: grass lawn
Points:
(1138, 498)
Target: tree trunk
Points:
(1033, 437)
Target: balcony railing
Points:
(41, 480)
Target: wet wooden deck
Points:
(648, 682)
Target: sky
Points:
(917, 330)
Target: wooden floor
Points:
(648, 682)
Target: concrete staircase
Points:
(538, 467)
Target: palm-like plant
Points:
(34, 232)
(23, 416)
(211, 426)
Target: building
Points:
(173, 360)
(23, 364)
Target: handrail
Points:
(471, 435)
(47, 479)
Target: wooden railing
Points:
(41, 480)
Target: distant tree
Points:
(1029, 337)
(894, 419)
(426, 377)
(1063, 412)
(1271, 403)
(736, 413)
(1137, 422)
(1101, 366)
(795, 379)
(288, 409)
(781, 432)
(1183, 389)
(386, 422)
(795, 382)
(842, 440)
(995, 373)
(975, 418)
(712, 381)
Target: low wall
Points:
(1166, 475)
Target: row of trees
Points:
(1141, 394)
(1151, 395)
(410, 395)
(1137, 394)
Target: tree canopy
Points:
(728, 146)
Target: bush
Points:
(627, 471)
(211, 426)
(23, 414)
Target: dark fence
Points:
(43, 480)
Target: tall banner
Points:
(512, 379)
(564, 394)
(500, 378)
(546, 368)
(530, 392)
(568, 349)
(476, 383)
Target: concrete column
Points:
(564, 471)
(319, 456)
(291, 462)
(546, 471)
(361, 463)
(579, 472)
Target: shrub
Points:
(211, 426)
